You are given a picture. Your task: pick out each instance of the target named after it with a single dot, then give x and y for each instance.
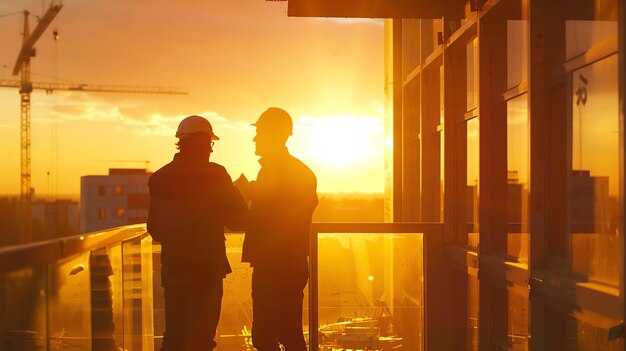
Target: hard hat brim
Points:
(186, 135)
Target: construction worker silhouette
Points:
(191, 200)
(276, 244)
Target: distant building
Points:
(350, 208)
(113, 200)
(51, 219)
(58, 218)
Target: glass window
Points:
(473, 174)
(431, 143)
(431, 29)
(517, 52)
(101, 190)
(567, 333)
(101, 213)
(121, 213)
(472, 74)
(594, 186)
(410, 46)
(119, 190)
(518, 319)
(583, 35)
(472, 312)
(518, 175)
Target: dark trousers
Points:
(277, 297)
(191, 316)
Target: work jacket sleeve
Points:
(235, 207)
(161, 218)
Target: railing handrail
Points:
(375, 227)
(16, 257)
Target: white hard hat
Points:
(195, 124)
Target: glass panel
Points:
(114, 257)
(147, 307)
(411, 152)
(158, 299)
(236, 318)
(517, 52)
(440, 152)
(595, 171)
(472, 312)
(583, 35)
(442, 167)
(106, 299)
(233, 330)
(518, 177)
(472, 74)
(430, 30)
(564, 332)
(69, 304)
(518, 318)
(23, 309)
(370, 291)
(431, 141)
(410, 46)
(132, 291)
(472, 177)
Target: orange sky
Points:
(235, 58)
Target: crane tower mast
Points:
(22, 66)
(26, 86)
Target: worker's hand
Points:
(243, 185)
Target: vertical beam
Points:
(398, 156)
(622, 152)
(436, 330)
(538, 110)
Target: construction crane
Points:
(22, 66)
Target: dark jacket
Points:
(191, 200)
(283, 199)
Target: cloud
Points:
(47, 120)
(159, 125)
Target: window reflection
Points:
(570, 334)
(473, 173)
(517, 177)
(472, 312)
(410, 45)
(583, 35)
(517, 52)
(370, 292)
(472, 74)
(518, 319)
(594, 183)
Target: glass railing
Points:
(102, 291)
(90, 292)
(367, 288)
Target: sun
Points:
(343, 141)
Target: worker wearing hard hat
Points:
(191, 200)
(276, 244)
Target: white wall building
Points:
(113, 200)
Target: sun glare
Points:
(342, 141)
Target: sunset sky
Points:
(235, 58)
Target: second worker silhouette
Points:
(282, 201)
